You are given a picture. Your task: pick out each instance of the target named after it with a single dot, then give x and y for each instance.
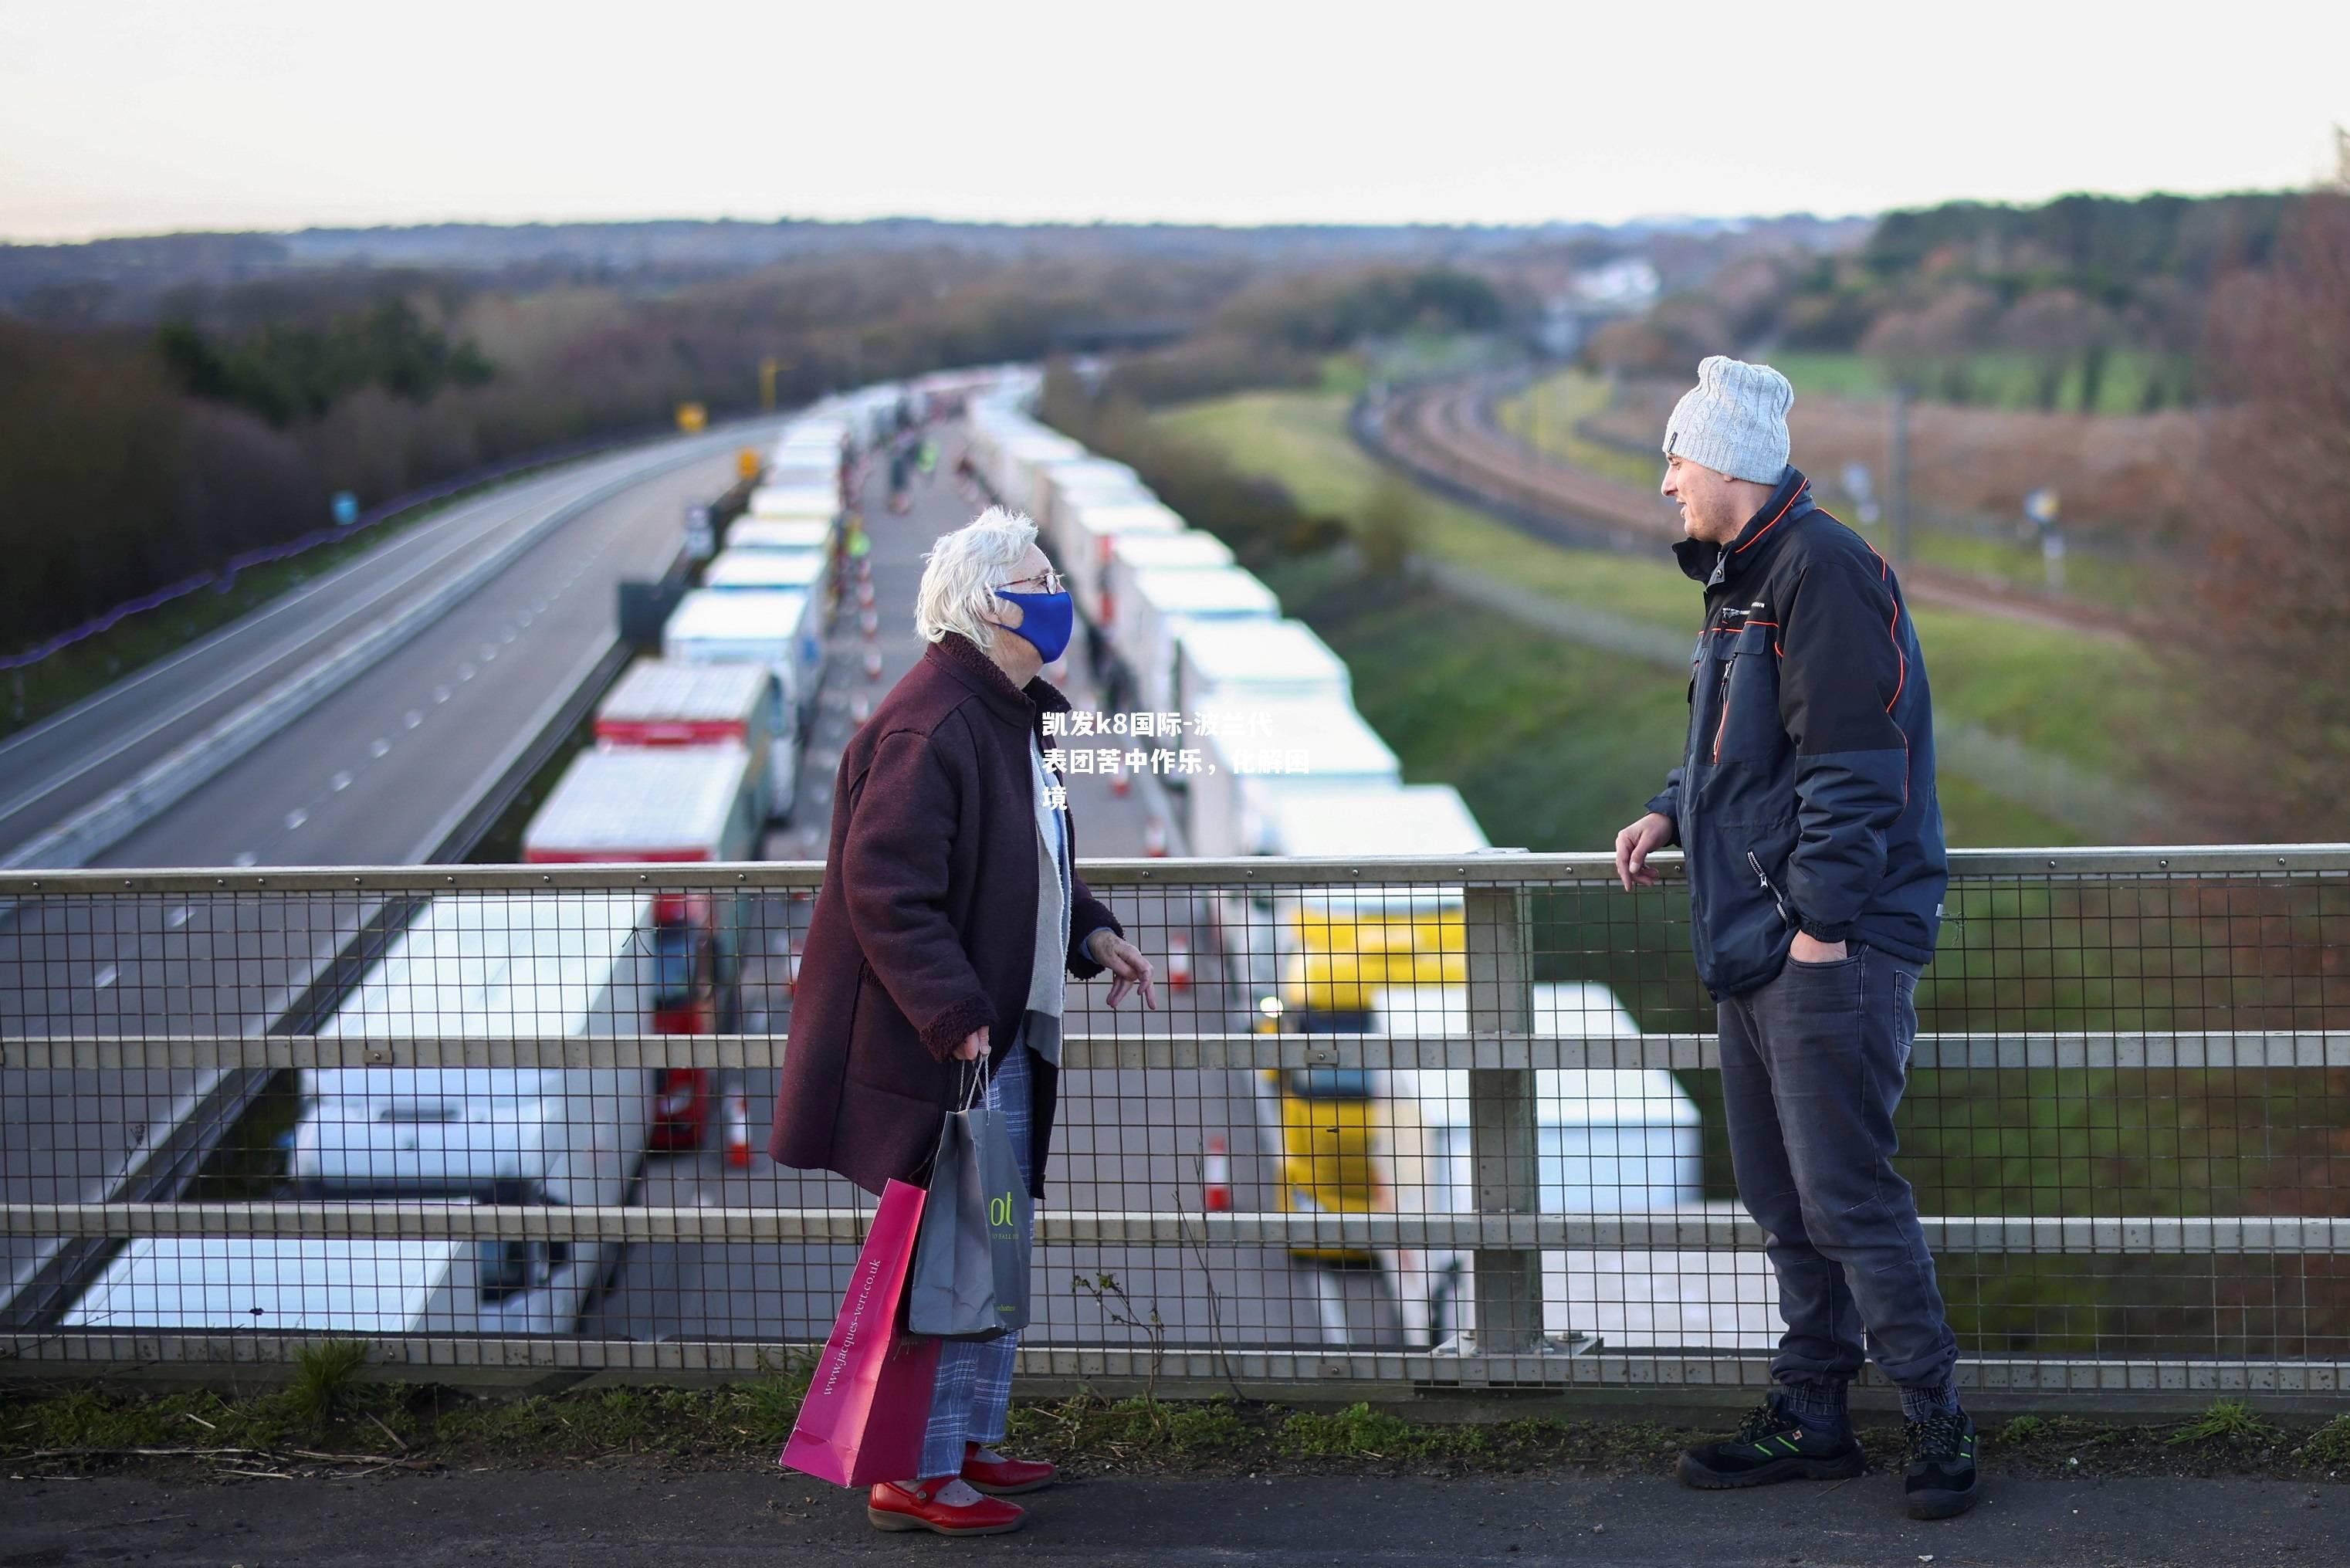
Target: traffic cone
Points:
(870, 623)
(1122, 785)
(865, 595)
(872, 664)
(1178, 962)
(1216, 1179)
(738, 1131)
(1154, 839)
(860, 708)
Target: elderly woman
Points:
(949, 920)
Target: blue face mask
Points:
(1046, 620)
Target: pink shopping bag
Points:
(870, 1400)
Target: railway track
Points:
(1447, 435)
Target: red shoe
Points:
(1004, 1478)
(893, 1507)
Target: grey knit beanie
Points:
(1734, 420)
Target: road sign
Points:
(691, 416)
(346, 508)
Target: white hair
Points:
(962, 571)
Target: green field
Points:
(1991, 379)
(2092, 702)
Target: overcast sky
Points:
(144, 116)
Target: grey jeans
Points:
(1812, 1064)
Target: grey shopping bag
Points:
(970, 1257)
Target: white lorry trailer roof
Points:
(677, 803)
(1233, 591)
(1333, 738)
(663, 691)
(795, 501)
(1260, 659)
(747, 615)
(1316, 821)
(735, 570)
(1190, 550)
(270, 1283)
(780, 534)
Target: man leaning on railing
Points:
(1804, 804)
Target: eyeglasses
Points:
(1052, 581)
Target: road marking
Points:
(505, 634)
(489, 651)
(104, 977)
(296, 818)
(413, 719)
(246, 857)
(379, 747)
(177, 917)
(341, 782)
(465, 672)
(440, 694)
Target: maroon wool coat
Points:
(925, 925)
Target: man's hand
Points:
(1810, 949)
(1130, 970)
(1636, 843)
(975, 1045)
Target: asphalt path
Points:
(1123, 1140)
(376, 773)
(629, 1513)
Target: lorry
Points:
(1187, 550)
(658, 702)
(1084, 546)
(563, 966)
(782, 534)
(1606, 1140)
(780, 630)
(796, 571)
(680, 806)
(1162, 607)
(1251, 662)
(1270, 746)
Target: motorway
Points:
(1123, 1140)
(377, 773)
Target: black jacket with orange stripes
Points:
(1804, 799)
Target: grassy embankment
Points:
(328, 1422)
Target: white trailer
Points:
(1072, 480)
(555, 966)
(1606, 1139)
(781, 629)
(1253, 749)
(1164, 607)
(799, 499)
(1254, 662)
(1187, 550)
(781, 533)
(661, 805)
(768, 571)
(1094, 526)
(660, 704)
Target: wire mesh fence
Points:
(1394, 1123)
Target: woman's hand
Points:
(1130, 970)
(975, 1045)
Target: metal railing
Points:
(1405, 1124)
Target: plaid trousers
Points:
(975, 1387)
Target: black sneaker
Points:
(1773, 1446)
(1941, 1477)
